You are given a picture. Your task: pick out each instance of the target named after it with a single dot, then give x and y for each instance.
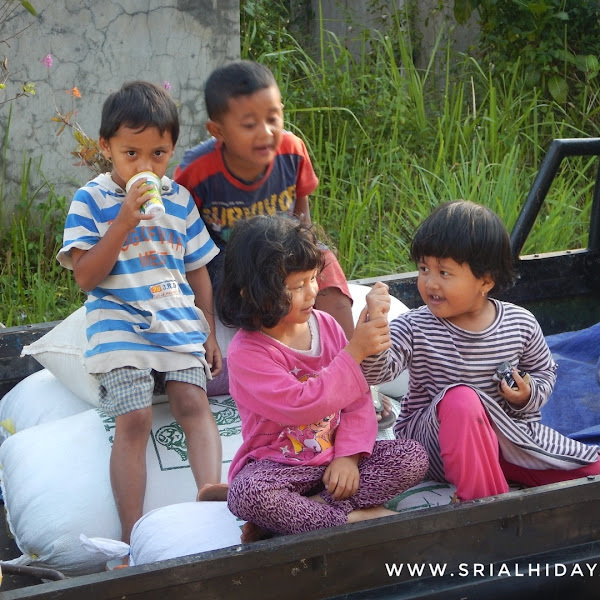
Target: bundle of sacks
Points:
(54, 457)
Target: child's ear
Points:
(487, 283)
(105, 148)
(214, 129)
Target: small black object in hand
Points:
(504, 371)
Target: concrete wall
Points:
(97, 45)
(345, 18)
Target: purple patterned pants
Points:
(274, 495)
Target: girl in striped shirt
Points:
(480, 432)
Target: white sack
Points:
(56, 485)
(39, 398)
(183, 529)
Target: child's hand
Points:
(213, 355)
(129, 214)
(519, 397)
(341, 477)
(378, 300)
(370, 337)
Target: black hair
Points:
(467, 233)
(262, 251)
(239, 78)
(139, 105)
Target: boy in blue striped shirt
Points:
(150, 324)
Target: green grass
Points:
(389, 142)
(33, 287)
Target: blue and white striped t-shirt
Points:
(143, 313)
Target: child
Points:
(478, 432)
(308, 457)
(149, 305)
(252, 166)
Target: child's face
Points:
(303, 289)
(452, 292)
(133, 151)
(251, 132)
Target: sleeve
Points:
(306, 181)
(357, 430)
(81, 230)
(260, 380)
(389, 364)
(200, 248)
(538, 362)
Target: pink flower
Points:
(47, 60)
(166, 85)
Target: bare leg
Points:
(128, 466)
(365, 514)
(361, 514)
(254, 533)
(189, 405)
(331, 300)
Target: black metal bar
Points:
(594, 235)
(558, 150)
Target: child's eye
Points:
(159, 153)
(422, 269)
(130, 153)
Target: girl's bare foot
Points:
(253, 533)
(212, 491)
(373, 512)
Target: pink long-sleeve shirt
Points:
(296, 408)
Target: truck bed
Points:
(553, 527)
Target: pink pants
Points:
(471, 455)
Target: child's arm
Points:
(302, 210)
(199, 281)
(92, 266)
(389, 364)
(371, 337)
(536, 360)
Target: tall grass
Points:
(389, 142)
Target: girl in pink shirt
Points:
(309, 458)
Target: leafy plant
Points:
(26, 88)
(33, 286)
(556, 40)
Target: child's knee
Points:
(461, 401)
(134, 423)
(188, 401)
